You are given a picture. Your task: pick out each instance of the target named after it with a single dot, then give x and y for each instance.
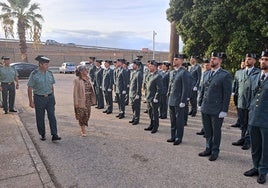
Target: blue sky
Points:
(109, 23)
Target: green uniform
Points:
(7, 77)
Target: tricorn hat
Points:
(218, 54)
(5, 58)
(265, 53)
(252, 55)
(180, 56)
(43, 59)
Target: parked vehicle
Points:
(67, 67)
(24, 69)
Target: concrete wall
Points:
(62, 53)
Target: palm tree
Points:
(22, 13)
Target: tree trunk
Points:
(174, 42)
(22, 40)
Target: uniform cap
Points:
(252, 55)
(180, 56)
(166, 63)
(218, 54)
(92, 58)
(99, 60)
(108, 61)
(137, 62)
(153, 62)
(42, 59)
(5, 58)
(264, 53)
(121, 60)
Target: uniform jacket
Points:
(92, 70)
(235, 85)
(154, 87)
(135, 84)
(121, 81)
(165, 79)
(98, 77)
(179, 87)
(258, 111)
(107, 79)
(196, 73)
(79, 95)
(245, 87)
(215, 92)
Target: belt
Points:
(46, 95)
(7, 83)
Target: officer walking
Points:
(246, 80)
(135, 92)
(107, 87)
(98, 84)
(178, 92)
(258, 124)
(154, 88)
(121, 87)
(41, 85)
(196, 73)
(214, 101)
(8, 77)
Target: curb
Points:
(37, 161)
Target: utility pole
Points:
(154, 33)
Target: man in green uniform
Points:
(41, 85)
(8, 77)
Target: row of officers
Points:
(211, 91)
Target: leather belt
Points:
(7, 83)
(46, 95)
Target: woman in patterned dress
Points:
(84, 97)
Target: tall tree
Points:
(24, 14)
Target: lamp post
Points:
(154, 33)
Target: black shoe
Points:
(190, 113)
(171, 140)
(43, 137)
(97, 107)
(101, 107)
(5, 112)
(163, 117)
(246, 146)
(239, 142)
(213, 157)
(176, 142)
(117, 115)
(205, 153)
(193, 115)
(121, 116)
(261, 179)
(131, 121)
(135, 123)
(55, 137)
(105, 111)
(235, 125)
(148, 128)
(13, 110)
(145, 111)
(153, 131)
(200, 133)
(108, 112)
(251, 172)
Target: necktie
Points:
(211, 74)
(262, 79)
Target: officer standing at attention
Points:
(41, 85)
(214, 99)
(8, 77)
(178, 92)
(164, 100)
(1, 101)
(154, 89)
(135, 92)
(121, 87)
(98, 84)
(107, 86)
(258, 124)
(196, 73)
(246, 80)
(128, 72)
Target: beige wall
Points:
(61, 53)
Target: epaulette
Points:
(34, 71)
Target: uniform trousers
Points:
(8, 95)
(121, 102)
(42, 104)
(163, 106)
(259, 149)
(193, 102)
(212, 126)
(109, 100)
(153, 114)
(243, 116)
(99, 96)
(177, 122)
(136, 108)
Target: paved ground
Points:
(117, 154)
